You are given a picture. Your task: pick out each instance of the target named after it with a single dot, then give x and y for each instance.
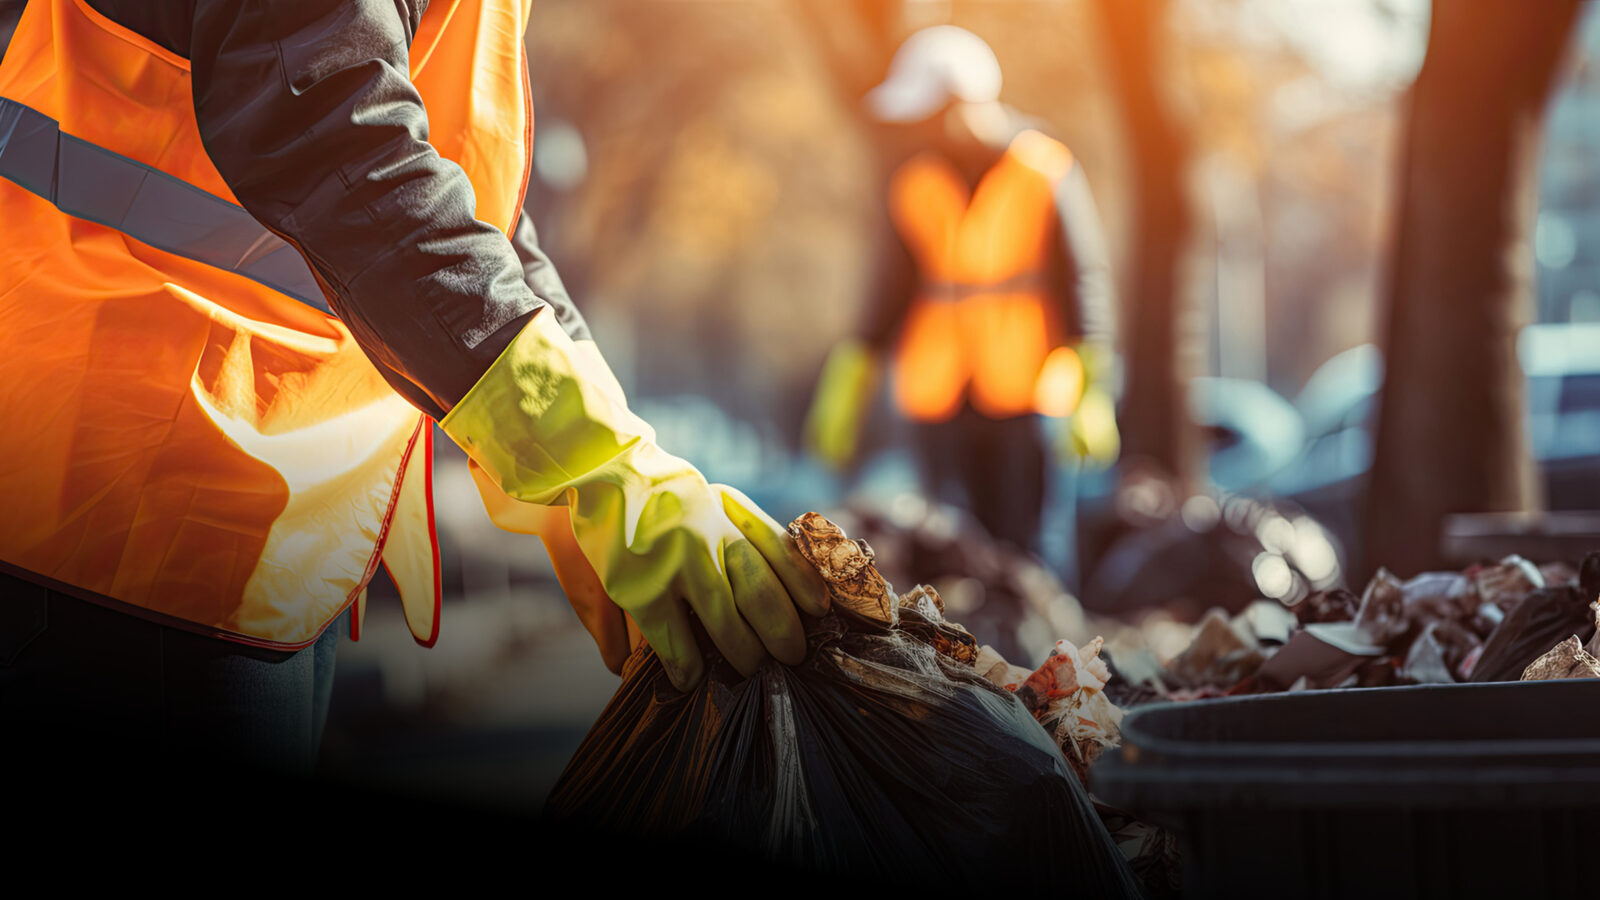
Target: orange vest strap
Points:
(89, 182)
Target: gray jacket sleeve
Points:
(307, 109)
(540, 275)
(1082, 273)
(893, 288)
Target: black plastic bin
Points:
(1434, 791)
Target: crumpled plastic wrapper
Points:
(1436, 596)
(922, 613)
(856, 587)
(1336, 605)
(1067, 695)
(1323, 655)
(1219, 655)
(1425, 662)
(854, 584)
(1397, 615)
(1567, 659)
(1508, 582)
(994, 668)
(1442, 654)
(1382, 617)
(1558, 573)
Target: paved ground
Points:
(490, 718)
(489, 715)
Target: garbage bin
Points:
(1430, 791)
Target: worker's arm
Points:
(1081, 271)
(1081, 268)
(539, 273)
(894, 285)
(307, 109)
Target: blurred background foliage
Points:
(729, 193)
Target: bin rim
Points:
(1407, 753)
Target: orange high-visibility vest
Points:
(983, 323)
(186, 432)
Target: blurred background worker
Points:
(994, 298)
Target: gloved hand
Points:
(1091, 434)
(548, 424)
(844, 392)
(1070, 384)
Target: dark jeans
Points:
(72, 671)
(994, 468)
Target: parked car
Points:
(1323, 480)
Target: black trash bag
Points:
(1547, 617)
(877, 758)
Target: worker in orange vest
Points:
(994, 305)
(249, 253)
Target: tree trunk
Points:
(855, 39)
(1452, 434)
(1157, 432)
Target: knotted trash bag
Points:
(884, 756)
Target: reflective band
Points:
(90, 182)
(954, 290)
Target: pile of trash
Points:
(886, 756)
(1501, 621)
(1005, 597)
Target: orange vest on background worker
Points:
(984, 326)
(186, 432)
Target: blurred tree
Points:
(1452, 433)
(856, 38)
(1156, 428)
(714, 241)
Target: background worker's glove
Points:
(845, 391)
(548, 424)
(1091, 434)
(1071, 384)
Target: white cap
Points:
(933, 67)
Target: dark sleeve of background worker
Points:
(432, 294)
(894, 287)
(1081, 267)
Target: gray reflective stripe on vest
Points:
(960, 290)
(90, 182)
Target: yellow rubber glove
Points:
(844, 392)
(548, 425)
(1060, 384)
(1070, 384)
(1091, 434)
